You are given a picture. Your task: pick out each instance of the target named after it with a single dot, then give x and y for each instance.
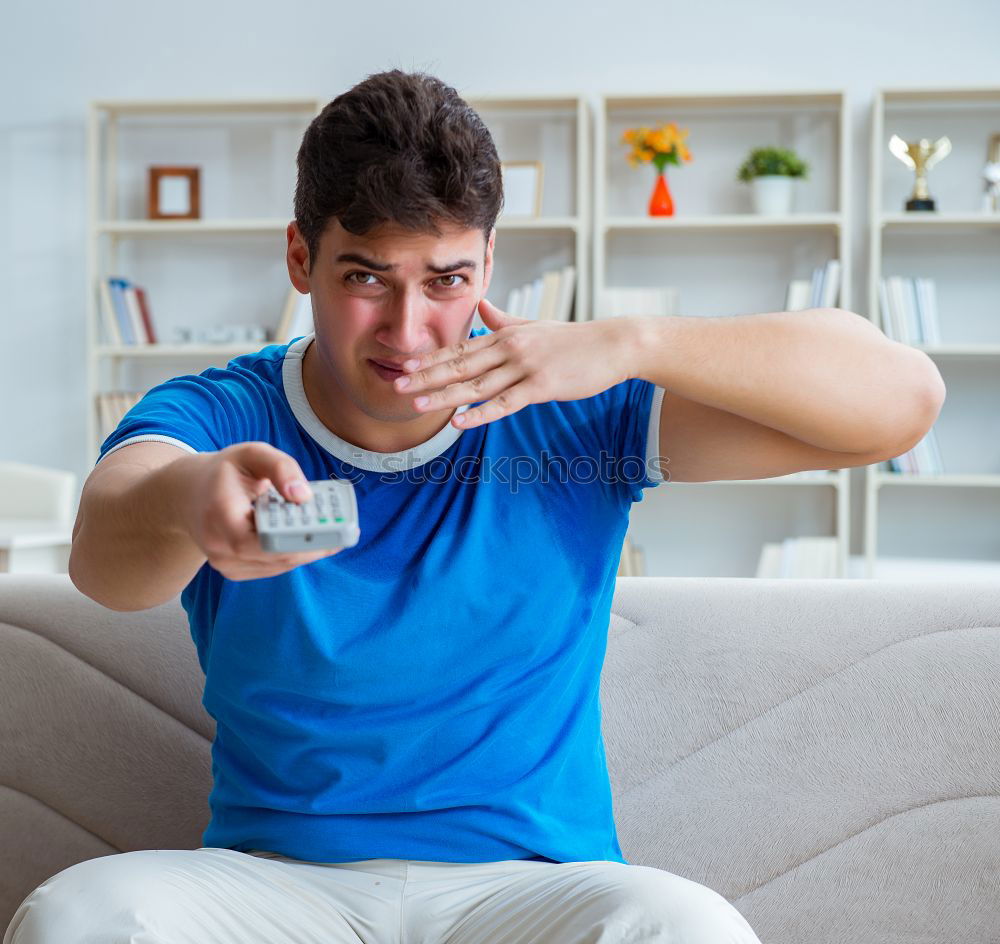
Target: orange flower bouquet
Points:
(659, 146)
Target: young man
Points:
(408, 731)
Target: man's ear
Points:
(297, 258)
(488, 261)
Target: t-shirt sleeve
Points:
(627, 418)
(198, 413)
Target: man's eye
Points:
(350, 276)
(453, 276)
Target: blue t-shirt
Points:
(433, 692)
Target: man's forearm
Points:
(825, 376)
(128, 552)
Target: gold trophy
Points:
(920, 156)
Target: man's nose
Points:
(405, 328)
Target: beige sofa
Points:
(824, 753)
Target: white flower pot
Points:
(772, 194)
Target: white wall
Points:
(55, 56)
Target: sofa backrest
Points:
(821, 752)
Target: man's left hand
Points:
(522, 361)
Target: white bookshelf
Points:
(554, 130)
(719, 528)
(952, 516)
(227, 267)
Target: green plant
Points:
(772, 160)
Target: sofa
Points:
(824, 753)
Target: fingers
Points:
(247, 567)
(448, 364)
(266, 464)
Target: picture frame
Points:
(174, 193)
(522, 188)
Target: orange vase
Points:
(661, 203)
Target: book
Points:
(547, 298)
(296, 318)
(637, 302)
(798, 295)
(147, 316)
(126, 316)
(112, 406)
(908, 310)
(567, 293)
(134, 314)
(109, 318)
(799, 557)
(124, 320)
(821, 290)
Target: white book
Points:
(135, 315)
(514, 302)
(883, 308)
(926, 292)
(534, 299)
(112, 334)
(549, 295)
(302, 321)
(912, 312)
(769, 562)
(798, 295)
(567, 289)
(831, 284)
(816, 287)
(638, 302)
(897, 310)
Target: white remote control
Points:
(328, 520)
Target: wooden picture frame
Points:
(174, 193)
(522, 188)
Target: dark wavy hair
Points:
(400, 147)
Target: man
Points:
(408, 734)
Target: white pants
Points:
(221, 896)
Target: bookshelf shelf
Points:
(960, 350)
(712, 212)
(540, 224)
(952, 248)
(554, 131)
(187, 227)
(950, 480)
(192, 106)
(748, 221)
(245, 149)
(936, 220)
(153, 351)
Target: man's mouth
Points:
(385, 372)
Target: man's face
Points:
(387, 296)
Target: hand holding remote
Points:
(219, 514)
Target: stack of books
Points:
(112, 407)
(550, 296)
(909, 310)
(637, 302)
(296, 319)
(125, 315)
(820, 291)
(799, 557)
(923, 459)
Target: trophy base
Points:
(926, 204)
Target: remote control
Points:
(328, 520)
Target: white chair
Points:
(37, 508)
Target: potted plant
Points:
(659, 146)
(772, 171)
